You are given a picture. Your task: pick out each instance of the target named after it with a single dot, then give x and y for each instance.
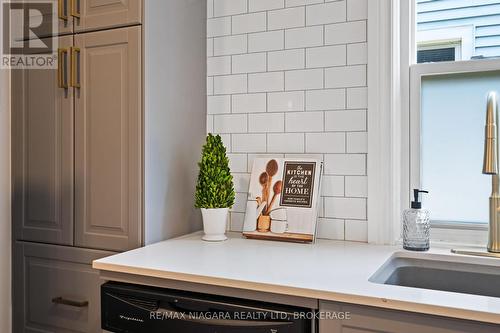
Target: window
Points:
(455, 66)
(436, 54)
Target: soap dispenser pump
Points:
(416, 225)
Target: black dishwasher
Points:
(137, 309)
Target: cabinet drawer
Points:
(365, 319)
(55, 289)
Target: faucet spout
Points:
(490, 162)
(490, 167)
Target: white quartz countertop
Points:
(327, 270)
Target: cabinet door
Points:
(55, 289)
(108, 140)
(364, 319)
(42, 149)
(103, 14)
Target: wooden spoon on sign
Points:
(271, 169)
(277, 191)
(263, 181)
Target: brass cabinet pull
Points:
(75, 8)
(75, 67)
(62, 73)
(64, 301)
(62, 10)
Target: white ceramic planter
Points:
(214, 224)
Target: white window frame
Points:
(459, 37)
(391, 54)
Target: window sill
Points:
(447, 236)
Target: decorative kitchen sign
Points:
(283, 199)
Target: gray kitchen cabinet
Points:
(364, 319)
(104, 151)
(56, 289)
(42, 152)
(108, 139)
(103, 14)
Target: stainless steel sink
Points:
(441, 275)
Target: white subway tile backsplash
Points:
(219, 26)
(248, 143)
(249, 63)
(326, 56)
(210, 8)
(286, 18)
(325, 143)
(357, 142)
(291, 142)
(247, 23)
(348, 76)
(304, 122)
(327, 99)
(249, 103)
(350, 120)
(356, 186)
(219, 65)
(287, 78)
(330, 229)
(330, 12)
(357, 54)
(230, 84)
(265, 82)
(241, 182)
(210, 86)
(357, 98)
(345, 208)
(304, 37)
(226, 140)
(332, 186)
(240, 202)
(343, 33)
(237, 221)
(304, 79)
(266, 122)
(238, 162)
(345, 164)
(285, 60)
(230, 45)
(210, 47)
(229, 7)
(261, 5)
(357, 10)
(210, 123)
(318, 157)
(286, 101)
(218, 104)
(356, 231)
(266, 41)
(293, 3)
(230, 123)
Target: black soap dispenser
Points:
(416, 225)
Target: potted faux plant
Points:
(214, 189)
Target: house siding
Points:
(483, 15)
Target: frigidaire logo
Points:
(131, 319)
(28, 30)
